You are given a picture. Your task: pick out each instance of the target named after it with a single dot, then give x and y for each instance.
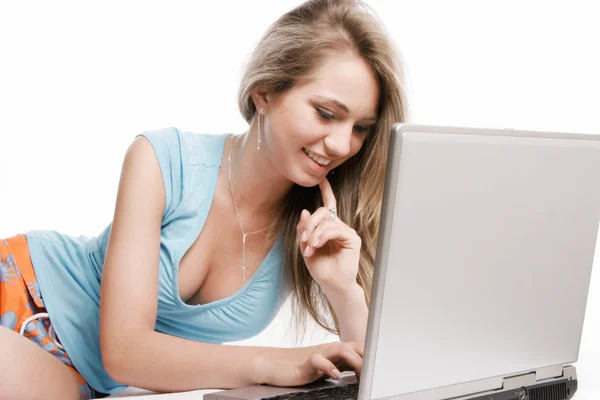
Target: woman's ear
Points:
(260, 97)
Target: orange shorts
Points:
(20, 299)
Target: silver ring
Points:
(332, 213)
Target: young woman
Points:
(212, 232)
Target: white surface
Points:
(588, 372)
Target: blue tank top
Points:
(69, 268)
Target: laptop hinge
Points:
(531, 378)
(518, 381)
(553, 371)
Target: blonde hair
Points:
(287, 53)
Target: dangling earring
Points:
(258, 143)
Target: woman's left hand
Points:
(331, 249)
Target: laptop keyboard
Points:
(348, 392)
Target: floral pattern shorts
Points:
(22, 307)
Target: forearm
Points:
(164, 363)
(350, 308)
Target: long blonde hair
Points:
(288, 52)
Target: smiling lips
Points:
(318, 159)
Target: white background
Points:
(78, 80)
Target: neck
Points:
(259, 187)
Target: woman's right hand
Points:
(299, 366)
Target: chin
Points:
(307, 180)
(302, 178)
(307, 184)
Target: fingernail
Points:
(336, 373)
(304, 236)
(316, 242)
(306, 251)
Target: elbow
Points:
(118, 357)
(113, 361)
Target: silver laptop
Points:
(483, 267)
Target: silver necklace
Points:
(237, 213)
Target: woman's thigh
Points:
(29, 372)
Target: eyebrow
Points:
(341, 105)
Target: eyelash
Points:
(325, 116)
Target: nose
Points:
(337, 143)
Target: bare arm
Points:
(164, 363)
(132, 352)
(352, 314)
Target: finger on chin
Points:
(327, 193)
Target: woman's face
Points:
(322, 121)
